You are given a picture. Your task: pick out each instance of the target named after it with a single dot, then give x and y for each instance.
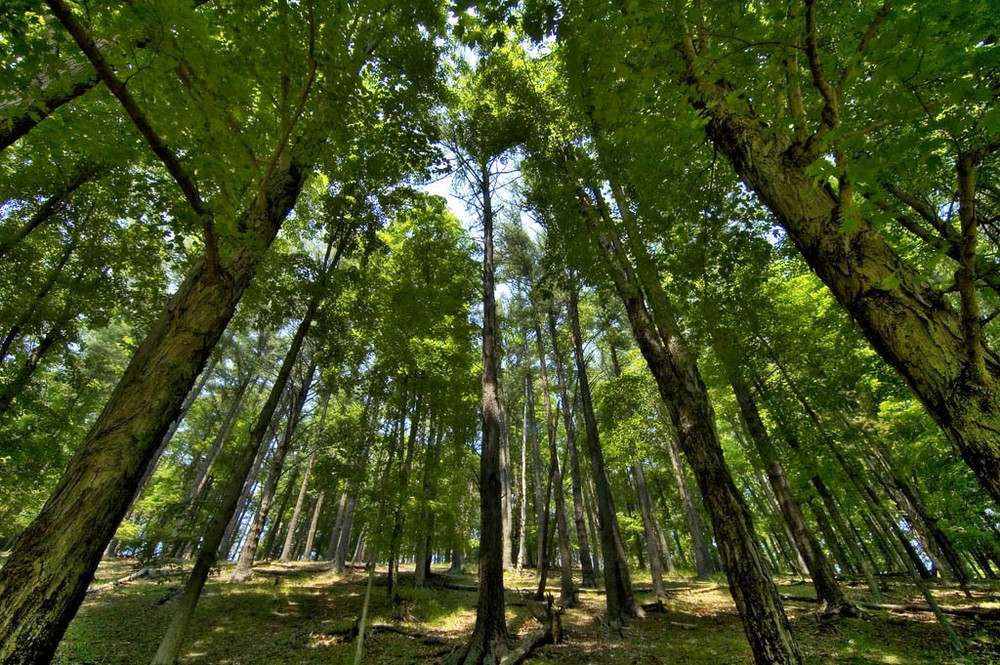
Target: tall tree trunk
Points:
(649, 528)
(586, 562)
(173, 639)
(338, 524)
(269, 548)
(550, 431)
(47, 573)
(673, 366)
(617, 580)
(244, 565)
(703, 560)
(522, 543)
(828, 590)
(400, 492)
(286, 550)
(317, 510)
(506, 491)
(489, 638)
(369, 420)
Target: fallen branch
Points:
(142, 572)
(549, 633)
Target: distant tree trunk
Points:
(593, 529)
(832, 542)
(828, 590)
(244, 565)
(270, 545)
(369, 419)
(45, 578)
(249, 487)
(550, 430)
(522, 544)
(586, 562)
(431, 463)
(338, 524)
(489, 638)
(668, 559)
(649, 527)
(307, 553)
(401, 491)
(29, 313)
(617, 580)
(286, 550)
(197, 487)
(703, 560)
(506, 491)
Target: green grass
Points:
(297, 616)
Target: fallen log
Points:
(142, 572)
(983, 613)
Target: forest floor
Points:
(302, 614)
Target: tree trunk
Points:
(198, 485)
(269, 546)
(586, 562)
(673, 366)
(489, 637)
(173, 639)
(522, 543)
(307, 553)
(244, 565)
(46, 575)
(551, 427)
(703, 560)
(286, 550)
(617, 580)
(910, 325)
(506, 490)
(828, 590)
(431, 463)
(649, 528)
(338, 524)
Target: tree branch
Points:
(104, 72)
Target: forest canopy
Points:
(630, 319)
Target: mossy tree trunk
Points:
(45, 578)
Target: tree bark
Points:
(649, 528)
(46, 575)
(432, 459)
(909, 324)
(703, 560)
(307, 553)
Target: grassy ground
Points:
(299, 615)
